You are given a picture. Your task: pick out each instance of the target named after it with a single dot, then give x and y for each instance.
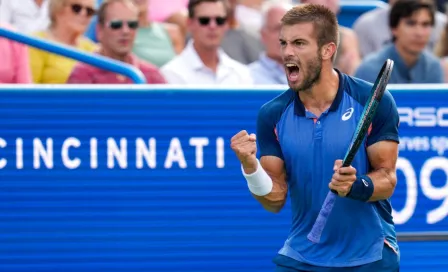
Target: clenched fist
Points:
(245, 147)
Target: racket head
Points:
(377, 92)
(382, 79)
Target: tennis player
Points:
(302, 134)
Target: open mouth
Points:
(293, 71)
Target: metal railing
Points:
(95, 60)
(422, 236)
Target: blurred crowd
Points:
(223, 42)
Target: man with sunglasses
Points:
(117, 25)
(203, 61)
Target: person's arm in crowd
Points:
(37, 63)
(22, 72)
(176, 36)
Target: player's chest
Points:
(302, 138)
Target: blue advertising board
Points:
(128, 179)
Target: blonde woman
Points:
(69, 20)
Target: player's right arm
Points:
(266, 178)
(275, 168)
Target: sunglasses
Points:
(77, 8)
(204, 21)
(119, 24)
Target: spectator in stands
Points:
(378, 20)
(237, 43)
(117, 26)
(14, 67)
(26, 16)
(203, 61)
(411, 22)
(269, 68)
(156, 43)
(348, 56)
(68, 22)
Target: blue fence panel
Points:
(135, 180)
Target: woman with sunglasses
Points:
(68, 22)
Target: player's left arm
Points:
(383, 157)
(382, 150)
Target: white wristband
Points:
(259, 182)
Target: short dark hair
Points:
(192, 4)
(323, 19)
(105, 4)
(406, 8)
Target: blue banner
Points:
(128, 179)
(420, 201)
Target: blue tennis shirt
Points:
(356, 231)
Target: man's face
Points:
(270, 33)
(412, 34)
(301, 56)
(209, 24)
(118, 32)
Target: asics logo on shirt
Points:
(348, 114)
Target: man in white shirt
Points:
(27, 16)
(203, 61)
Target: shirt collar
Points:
(195, 61)
(299, 108)
(130, 59)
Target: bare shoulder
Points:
(172, 30)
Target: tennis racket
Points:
(360, 133)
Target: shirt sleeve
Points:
(386, 121)
(80, 75)
(267, 141)
(37, 60)
(153, 75)
(171, 77)
(22, 70)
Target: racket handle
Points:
(321, 221)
